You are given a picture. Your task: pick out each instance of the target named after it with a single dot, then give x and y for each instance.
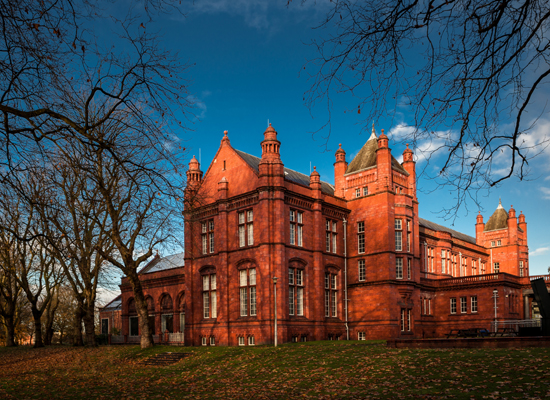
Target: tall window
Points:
(463, 305)
(474, 267)
(362, 271)
(521, 268)
(405, 320)
(209, 297)
(442, 261)
(474, 304)
(409, 269)
(357, 192)
(482, 267)
(399, 268)
(496, 267)
(246, 228)
(398, 235)
(409, 235)
(361, 237)
(430, 254)
(330, 236)
(365, 191)
(331, 295)
(296, 227)
(207, 230)
(453, 305)
(295, 291)
(247, 283)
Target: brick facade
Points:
(251, 219)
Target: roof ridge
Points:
(286, 168)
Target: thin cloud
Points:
(545, 192)
(539, 252)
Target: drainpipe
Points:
(346, 277)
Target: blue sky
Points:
(248, 61)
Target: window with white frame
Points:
(496, 268)
(499, 243)
(207, 233)
(246, 228)
(331, 295)
(521, 268)
(482, 268)
(295, 291)
(474, 267)
(212, 341)
(405, 320)
(409, 235)
(429, 306)
(296, 227)
(362, 270)
(398, 235)
(203, 341)
(251, 341)
(361, 237)
(241, 340)
(453, 305)
(358, 192)
(493, 243)
(473, 304)
(463, 305)
(398, 268)
(331, 236)
(365, 191)
(209, 296)
(361, 336)
(247, 291)
(442, 261)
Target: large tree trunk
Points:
(141, 308)
(89, 325)
(37, 315)
(10, 331)
(78, 315)
(50, 315)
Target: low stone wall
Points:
(470, 343)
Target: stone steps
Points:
(164, 359)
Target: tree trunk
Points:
(50, 315)
(89, 325)
(141, 308)
(10, 331)
(78, 315)
(37, 315)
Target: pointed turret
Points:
(339, 170)
(194, 174)
(271, 165)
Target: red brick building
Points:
(251, 220)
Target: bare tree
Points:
(10, 289)
(75, 231)
(472, 74)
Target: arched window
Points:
(209, 293)
(296, 284)
(247, 289)
(167, 317)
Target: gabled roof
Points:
(366, 158)
(164, 263)
(499, 219)
(291, 175)
(436, 227)
(114, 305)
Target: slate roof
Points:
(164, 263)
(436, 227)
(366, 158)
(499, 219)
(114, 305)
(291, 175)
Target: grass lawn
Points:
(327, 370)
